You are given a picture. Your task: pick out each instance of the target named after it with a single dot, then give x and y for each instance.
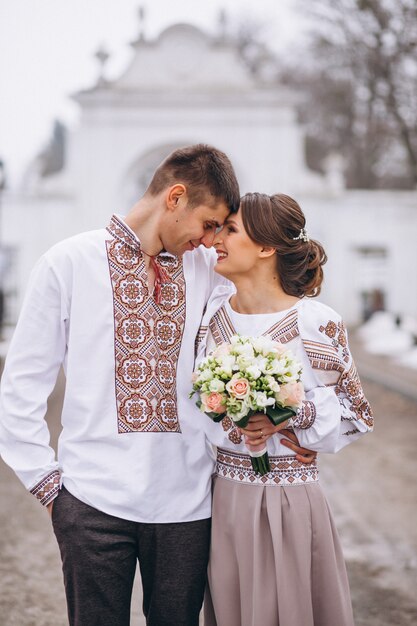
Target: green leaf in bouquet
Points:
(242, 423)
(216, 417)
(279, 414)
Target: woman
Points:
(275, 556)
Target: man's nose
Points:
(208, 239)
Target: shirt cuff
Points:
(306, 415)
(48, 488)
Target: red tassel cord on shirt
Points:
(161, 277)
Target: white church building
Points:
(186, 87)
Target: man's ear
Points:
(176, 196)
(267, 251)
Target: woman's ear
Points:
(176, 196)
(267, 251)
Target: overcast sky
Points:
(47, 52)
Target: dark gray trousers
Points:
(99, 554)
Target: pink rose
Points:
(213, 402)
(238, 387)
(291, 394)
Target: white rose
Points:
(206, 374)
(272, 384)
(216, 385)
(244, 349)
(262, 399)
(253, 371)
(261, 362)
(264, 345)
(275, 367)
(243, 361)
(226, 364)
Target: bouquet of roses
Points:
(246, 376)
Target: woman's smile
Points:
(221, 255)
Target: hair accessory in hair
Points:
(303, 235)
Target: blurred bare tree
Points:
(357, 80)
(360, 74)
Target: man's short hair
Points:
(206, 172)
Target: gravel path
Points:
(372, 490)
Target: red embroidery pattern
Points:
(306, 415)
(201, 335)
(227, 423)
(221, 327)
(337, 333)
(233, 433)
(286, 329)
(47, 488)
(285, 470)
(349, 387)
(326, 359)
(147, 335)
(235, 436)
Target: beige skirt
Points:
(275, 556)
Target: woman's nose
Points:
(218, 237)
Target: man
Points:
(119, 308)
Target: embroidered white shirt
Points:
(130, 444)
(335, 411)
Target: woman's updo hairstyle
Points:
(277, 221)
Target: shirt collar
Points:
(121, 231)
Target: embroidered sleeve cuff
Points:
(47, 489)
(306, 415)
